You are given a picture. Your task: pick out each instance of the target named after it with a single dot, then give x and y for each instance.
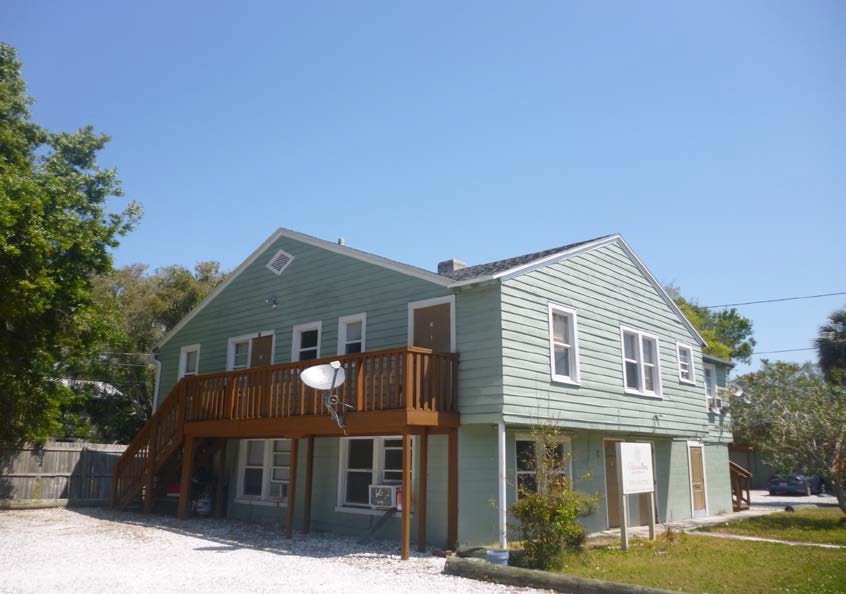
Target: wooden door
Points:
(612, 488)
(697, 481)
(432, 327)
(261, 351)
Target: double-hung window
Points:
(685, 356)
(366, 461)
(264, 470)
(563, 345)
(641, 367)
(710, 380)
(241, 354)
(189, 360)
(306, 342)
(531, 457)
(351, 332)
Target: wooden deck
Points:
(403, 391)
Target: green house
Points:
(447, 373)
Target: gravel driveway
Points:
(96, 550)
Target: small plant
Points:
(548, 508)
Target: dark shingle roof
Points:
(490, 268)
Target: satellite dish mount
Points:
(326, 378)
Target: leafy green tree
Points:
(795, 420)
(831, 346)
(728, 334)
(56, 232)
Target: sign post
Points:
(634, 475)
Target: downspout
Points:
(158, 380)
(502, 502)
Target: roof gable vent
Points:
(280, 261)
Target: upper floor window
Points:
(189, 360)
(306, 342)
(240, 354)
(641, 366)
(351, 332)
(710, 377)
(563, 344)
(685, 356)
(264, 469)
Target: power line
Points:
(784, 351)
(774, 300)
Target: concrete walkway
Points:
(762, 504)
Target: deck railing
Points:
(407, 378)
(741, 480)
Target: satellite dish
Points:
(324, 377)
(736, 390)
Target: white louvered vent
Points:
(280, 261)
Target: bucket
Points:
(204, 505)
(497, 556)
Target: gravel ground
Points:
(100, 551)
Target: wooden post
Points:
(652, 515)
(151, 465)
(221, 472)
(292, 489)
(408, 380)
(309, 477)
(405, 522)
(624, 515)
(185, 479)
(452, 488)
(423, 471)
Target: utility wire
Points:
(774, 300)
(784, 351)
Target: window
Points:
(529, 451)
(264, 470)
(364, 462)
(306, 342)
(641, 369)
(241, 350)
(241, 354)
(351, 331)
(563, 345)
(710, 377)
(189, 360)
(685, 356)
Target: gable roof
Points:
(498, 270)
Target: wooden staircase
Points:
(741, 480)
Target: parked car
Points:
(799, 484)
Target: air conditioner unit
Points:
(383, 496)
(715, 403)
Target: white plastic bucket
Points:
(497, 556)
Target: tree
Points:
(138, 309)
(56, 232)
(831, 347)
(795, 420)
(728, 334)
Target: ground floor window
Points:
(366, 461)
(530, 457)
(264, 469)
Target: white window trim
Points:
(412, 305)
(183, 352)
(564, 439)
(679, 347)
(573, 379)
(713, 368)
(297, 338)
(697, 444)
(378, 455)
(342, 331)
(264, 499)
(230, 347)
(641, 383)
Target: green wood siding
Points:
(606, 289)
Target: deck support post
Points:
(221, 472)
(423, 471)
(452, 488)
(185, 478)
(405, 522)
(308, 478)
(149, 471)
(292, 488)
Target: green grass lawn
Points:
(704, 564)
(804, 525)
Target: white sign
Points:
(636, 466)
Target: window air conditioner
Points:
(383, 496)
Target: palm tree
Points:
(831, 346)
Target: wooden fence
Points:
(59, 474)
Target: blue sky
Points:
(711, 135)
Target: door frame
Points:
(605, 472)
(701, 445)
(413, 305)
(230, 346)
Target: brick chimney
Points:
(450, 266)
